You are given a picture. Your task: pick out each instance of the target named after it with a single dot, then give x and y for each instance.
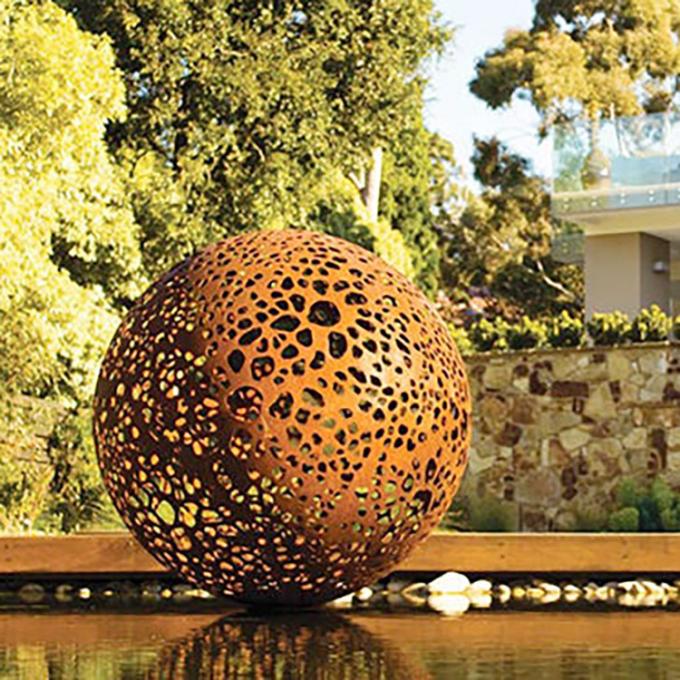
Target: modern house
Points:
(620, 181)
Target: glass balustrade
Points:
(616, 164)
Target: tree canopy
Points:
(500, 239)
(68, 241)
(588, 58)
(69, 253)
(241, 114)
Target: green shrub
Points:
(609, 329)
(24, 486)
(566, 331)
(624, 520)
(670, 519)
(654, 508)
(662, 495)
(650, 325)
(488, 513)
(480, 513)
(77, 498)
(486, 335)
(589, 518)
(675, 328)
(526, 334)
(627, 493)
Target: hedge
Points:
(602, 330)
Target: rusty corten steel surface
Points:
(282, 418)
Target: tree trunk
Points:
(370, 192)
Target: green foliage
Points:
(344, 215)
(652, 508)
(486, 335)
(624, 520)
(587, 59)
(69, 245)
(77, 499)
(239, 113)
(25, 472)
(589, 518)
(627, 493)
(480, 513)
(67, 238)
(565, 331)
(24, 487)
(406, 199)
(501, 238)
(650, 325)
(526, 334)
(609, 329)
(487, 513)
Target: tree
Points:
(245, 114)
(501, 239)
(68, 242)
(588, 58)
(407, 199)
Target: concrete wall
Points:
(556, 431)
(619, 273)
(655, 287)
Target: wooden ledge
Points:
(119, 553)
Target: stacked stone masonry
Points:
(556, 431)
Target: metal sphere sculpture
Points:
(282, 418)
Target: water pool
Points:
(365, 645)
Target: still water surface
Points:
(356, 646)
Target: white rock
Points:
(550, 589)
(503, 593)
(571, 593)
(480, 600)
(395, 600)
(630, 600)
(671, 591)
(414, 599)
(602, 593)
(344, 602)
(535, 593)
(631, 588)
(550, 598)
(590, 592)
(450, 582)
(415, 588)
(364, 594)
(397, 585)
(652, 588)
(63, 593)
(448, 604)
(480, 586)
(651, 600)
(415, 594)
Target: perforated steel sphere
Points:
(282, 418)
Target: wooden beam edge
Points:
(119, 553)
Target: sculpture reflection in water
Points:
(308, 646)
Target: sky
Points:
(453, 111)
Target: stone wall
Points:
(556, 431)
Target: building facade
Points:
(619, 180)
